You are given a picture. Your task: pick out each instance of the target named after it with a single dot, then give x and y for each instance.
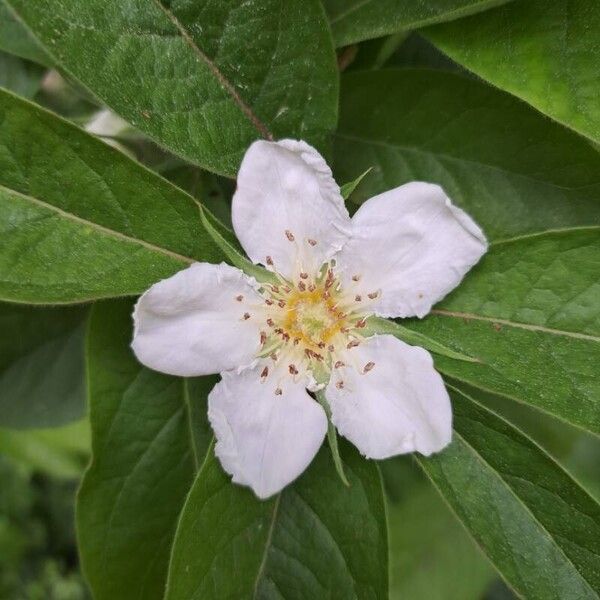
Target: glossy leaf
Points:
(145, 448)
(356, 20)
(511, 169)
(546, 53)
(316, 539)
(537, 525)
(79, 220)
(41, 365)
(203, 79)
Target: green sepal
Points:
(349, 187)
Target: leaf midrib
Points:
(214, 69)
(99, 228)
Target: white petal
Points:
(193, 323)
(400, 405)
(264, 440)
(412, 246)
(285, 191)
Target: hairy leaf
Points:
(546, 53)
(41, 365)
(316, 539)
(537, 525)
(203, 79)
(149, 433)
(79, 220)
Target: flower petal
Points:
(411, 246)
(205, 319)
(264, 440)
(288, 207)
(391, 399)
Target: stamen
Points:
(239, 298)
(289, 235)
(338, 364)
(246, 316)
(358, 298)
(263, 338)
(355, 277)
(278, 391)
(312, 287)
(373, 295)
(281, 303)
(312, 242)
(269, 302)
(303, 275)
(265, 373)
(339, 385)
(270, 322)
(321, 345)
(330, 348)
(273, 356)
(292, 369)
(360, 324)
(352, 344)
(301, 286)
(296, 341)
(368, 367)
(269, 261)
(275, 289)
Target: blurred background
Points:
(431, 558)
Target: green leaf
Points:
(530, 313)
(60, 452)
(347, 189)
(355, 20)
(546, 53)
(203, 79)
(79, 220)
(20, 76)
(16, 40)
(449, 129)
(537, 525)
(431, 555)
(149, 431)
(316, 539)
(41, 365)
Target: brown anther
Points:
(273, 356)
(281, 303)
(368, 367)
(292, 369)
(357, 298)
(312, 242)
(264, 372)
(263, 338)
(270, 322)
(278, 391)
(269, 302)
(246, 316)
(420, 295)
(321, 345)
(289, 235)
(344, 330)
(360, 324)
(312, 287)
(287, 290)
(303, 275)
(269, 261)
(339, 385)
(355, 277)
(338, 364)
(373, 295)
(352, 344)
(301, 286)
(296, 341)
(309, 353)
(279, 330)
(275, 289)
(326, 294)
(286, 337)
(239, 298)
(330, 348)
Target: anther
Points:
(338, 364)
(303, 275)
(368, 367)
(263, 338)
(239, 298)
(292, 369)
(357, 298)
(289, 235)
(330, 348)
(312, 287)
(270, 322)
(287, 290)
(264, 373)
(275, 289)
(279, 330)
(360, 324)
(352, 344)
(296, 341)
(273, 356)
(312, 242)
(269, 261)
(269, 302)
(355, 277)
(281, 303)
(246, 316)
(278, 391)
(301, 286)
(373, 295)
(339, 385)
(321, 345)
(285, 336)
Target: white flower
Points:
(401, 252)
